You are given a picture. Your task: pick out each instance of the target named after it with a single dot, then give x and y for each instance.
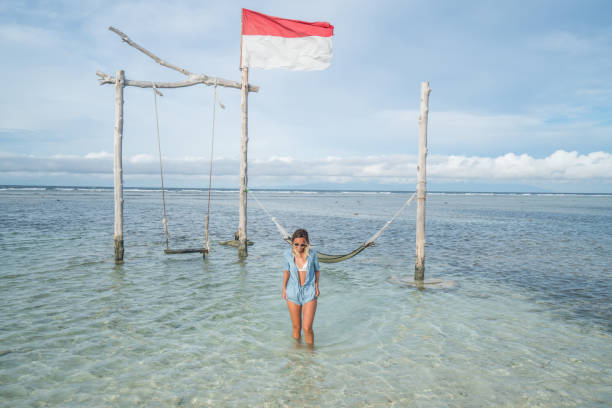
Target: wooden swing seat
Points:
(202, 251)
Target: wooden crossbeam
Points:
(193, 79)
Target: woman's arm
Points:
(315, 264)
(285, 280)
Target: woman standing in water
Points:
(301, 284)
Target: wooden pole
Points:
(118, 167)
(244, 140)
(419, 266)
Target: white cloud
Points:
(141, 158)
(27, 36)
(178, 18)
(475, 133)
(479, 125)
(563, 42)
(597, 95)
(99, 155)
(559, 167)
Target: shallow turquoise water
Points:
(527, 322)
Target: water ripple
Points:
(526, 324)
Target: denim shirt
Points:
(294, 279)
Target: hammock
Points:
(328, 258)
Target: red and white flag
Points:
(273, 42)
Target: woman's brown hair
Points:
(300, 233)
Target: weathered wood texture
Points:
(118, 167)
(419, 266)
(127, 39)
(193, 79)
(244, 140)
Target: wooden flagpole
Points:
(244, 140)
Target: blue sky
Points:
(521, 95)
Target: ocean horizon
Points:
(288, 189)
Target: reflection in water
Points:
(304, 376)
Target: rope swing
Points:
(328, 258)
(206, 248)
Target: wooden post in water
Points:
(419, 265)
(118, 167)
(244, 140)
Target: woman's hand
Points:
(317, 292)
(284, 295)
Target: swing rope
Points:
(212, 147)
(328, 258)
(161, 171)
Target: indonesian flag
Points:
(273, 42)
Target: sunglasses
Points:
(300, 245)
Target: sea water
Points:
(525, 320)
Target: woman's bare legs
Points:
(309, 310)
(295, 311)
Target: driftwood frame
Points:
(121, 82)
